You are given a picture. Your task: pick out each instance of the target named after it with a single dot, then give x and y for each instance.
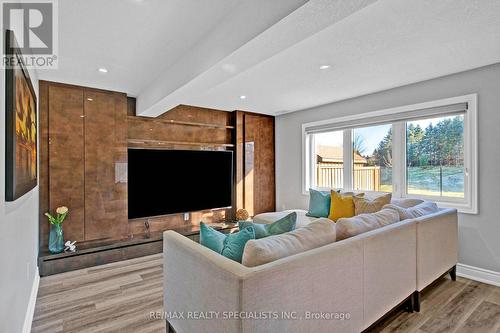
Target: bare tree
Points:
(358, 144)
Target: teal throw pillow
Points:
(319, 203)
(229, 245)
(284, 224)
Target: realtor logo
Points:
(34, 24)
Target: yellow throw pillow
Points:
(341, 206)
(365, 206)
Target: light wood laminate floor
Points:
(119, 297)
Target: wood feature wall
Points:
(84, 137)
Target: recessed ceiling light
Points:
(243, 97)
(103, 70)
(90, 99)
(324, 66)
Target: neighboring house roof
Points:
(335, 155)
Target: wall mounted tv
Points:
(162, 182)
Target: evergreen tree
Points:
(436, 145)
(382, 155)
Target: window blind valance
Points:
(345, 123)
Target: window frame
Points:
(468, 204)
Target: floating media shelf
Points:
(180, 122)
(160, 143)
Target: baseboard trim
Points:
(28, 319)
(479, 274)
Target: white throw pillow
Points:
(352, 226)
(315, 234)
(426, 207)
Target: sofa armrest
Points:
(196, 280)
(437, 245)
(389, 268)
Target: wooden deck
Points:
(119, 297)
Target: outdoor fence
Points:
(364, 177)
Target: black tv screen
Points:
(162, 182)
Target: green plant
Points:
(59, 218)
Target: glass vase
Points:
(56, 238)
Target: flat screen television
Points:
(162, 182)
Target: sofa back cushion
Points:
(284, 224)
(364, 205)
(406, 202)
(352, 226)
(315, 234)
(424, 208)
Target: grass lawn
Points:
(427, 181)
(447, 181)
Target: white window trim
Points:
(470, 205)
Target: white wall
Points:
(18, 239)
(479, 235)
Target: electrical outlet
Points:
(186, 216)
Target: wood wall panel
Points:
(144, 128)
(265, 157)
(43, 192)
(258, 164)
(249, 165)
(239, 169)
(176, 221)
(105, 165)
(131, 103)
(66, 157)
(197, 114)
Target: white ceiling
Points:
(139, 40)
(135, 40)
(208, 53)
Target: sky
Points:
(371, 137)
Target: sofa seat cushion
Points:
(302, 218)
(424, 208)
(315, 234)
(284, 224)
(352, 226)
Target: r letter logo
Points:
(35, 29)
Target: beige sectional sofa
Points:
(345, 286)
